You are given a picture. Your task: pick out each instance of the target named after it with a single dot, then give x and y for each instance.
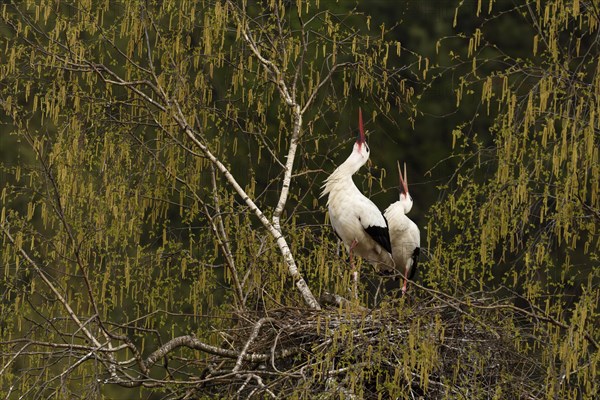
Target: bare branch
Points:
(260, 383)
(14, 357)
(296, 131)
(277, 235)
(255, 330)
(324, 81)
(51, 286)
(194, 343)
(221, 234)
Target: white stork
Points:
(404, 233)
(355, 219)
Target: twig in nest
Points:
(259, 323)
(339, 301)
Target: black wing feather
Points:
(415, 258)
(381, 235)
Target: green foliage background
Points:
(493, 105)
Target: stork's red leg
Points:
(354, 271)
(352, 246)
(405, 282)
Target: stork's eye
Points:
(367, 147)
(410, 197)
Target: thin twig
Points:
(224, 242)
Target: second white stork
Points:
(404, 233)
(355, 219)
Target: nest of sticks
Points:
(405, 348)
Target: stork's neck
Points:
(351, 165)
(406, 202)
(343, 174)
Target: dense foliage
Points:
(162, 233)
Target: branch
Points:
(297, 113)
(289, 164)
(593, 211)
(267, 64)
(54, 290)
(339, 301)
(323, 82)
(309, 298)
(216, 223)
(84, 270)
(257, 326)
(194, 343)
(224, 243)
(260, 383)
(166, 104)
(14, 357)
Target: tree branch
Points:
(194, 343)
(255, 330)
(309, 298)
(224, 239)
(53, 288)
(296, 130)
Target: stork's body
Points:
(358, 222)
(404, 233)
(355, 219)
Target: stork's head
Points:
(361, 148)
(405, 197)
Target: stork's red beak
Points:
(361, 138)
(403, 182)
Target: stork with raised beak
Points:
(404, 233)
(355, 219)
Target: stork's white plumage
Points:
(355, 219)
(404, 233)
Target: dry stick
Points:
(69, 346)
(273, 348)
(261, 385)
(257, 326)
(340, 301)
(194, 343)
(244, 385)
